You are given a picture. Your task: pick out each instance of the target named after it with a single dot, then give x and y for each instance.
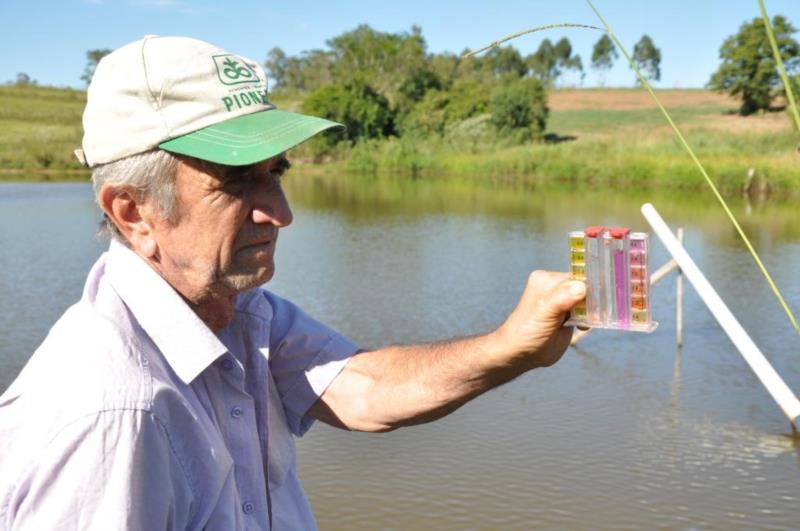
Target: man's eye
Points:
(238, 187)
(235, 187)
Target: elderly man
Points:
(168, 396)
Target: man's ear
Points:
(127, 210)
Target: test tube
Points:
(577, 268)
(640, 279)
(609, 308)
(620, 249)
(595, 292)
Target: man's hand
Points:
(402, 385)
(534, 334)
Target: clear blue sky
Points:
(48, 40)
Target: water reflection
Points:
(363, 198)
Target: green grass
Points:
(602, 120)
(633, 160)
(40, 127)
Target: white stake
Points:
(752, 355)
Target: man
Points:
(168, 396)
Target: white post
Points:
(679, 299)
(776, 387)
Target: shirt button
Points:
(248, 507)
(227, 364)
(236, 412)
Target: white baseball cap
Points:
(188, 97)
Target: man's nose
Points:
(271, 207)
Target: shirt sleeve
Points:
(113, 470)
(305, 357)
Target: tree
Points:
(276, 64)
(564, 58)
(504, 60)
(414, 89)
(92, 59)
(550, 61)
(648, 58)
(23, 79)
(543, 62)
(519, 109)
(364, 113)
(748, 69)
(385, 59)
(603, 56)
(465, 99)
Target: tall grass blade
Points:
(527, 31)
(784, 78)
(702, 169)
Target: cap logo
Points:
(231, 70)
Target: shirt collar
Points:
(188, 345)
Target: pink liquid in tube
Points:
(614, 265)
(620, 249)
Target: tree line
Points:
(382, 84)
(387, 84)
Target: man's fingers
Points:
(564, 296)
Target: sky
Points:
(48, 40)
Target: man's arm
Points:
(403, 385)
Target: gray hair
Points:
(150, 175)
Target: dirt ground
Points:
(633, 99)
(719, 113)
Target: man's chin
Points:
(241, 282)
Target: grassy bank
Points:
(39, 129)
(611, 138)
(598, 137)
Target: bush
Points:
(427, 116)
(519, 109)
(467, 99)
(440, 109)
(364, 112)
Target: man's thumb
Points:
(564, 296)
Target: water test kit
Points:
(614, 264)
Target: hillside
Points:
(39, 127)
(600, 136)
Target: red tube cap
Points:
(619, 232)
(594, 232)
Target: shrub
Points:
(440, 109)
(519, 109)
(364, 112)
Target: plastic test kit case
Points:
(614, 264)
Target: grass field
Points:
(614, 137)
(39, 128)
(618, 137)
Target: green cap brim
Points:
(250, 138)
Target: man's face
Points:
(222, 239)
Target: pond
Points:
(625, 432)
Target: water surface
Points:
(625, 432)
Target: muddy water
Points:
(625, 432)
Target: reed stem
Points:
(702, 169)
(527, 31)
(784, 78)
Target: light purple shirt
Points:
(133, 414)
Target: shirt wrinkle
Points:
(183, 438)
(184, 468)
(137, 283)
